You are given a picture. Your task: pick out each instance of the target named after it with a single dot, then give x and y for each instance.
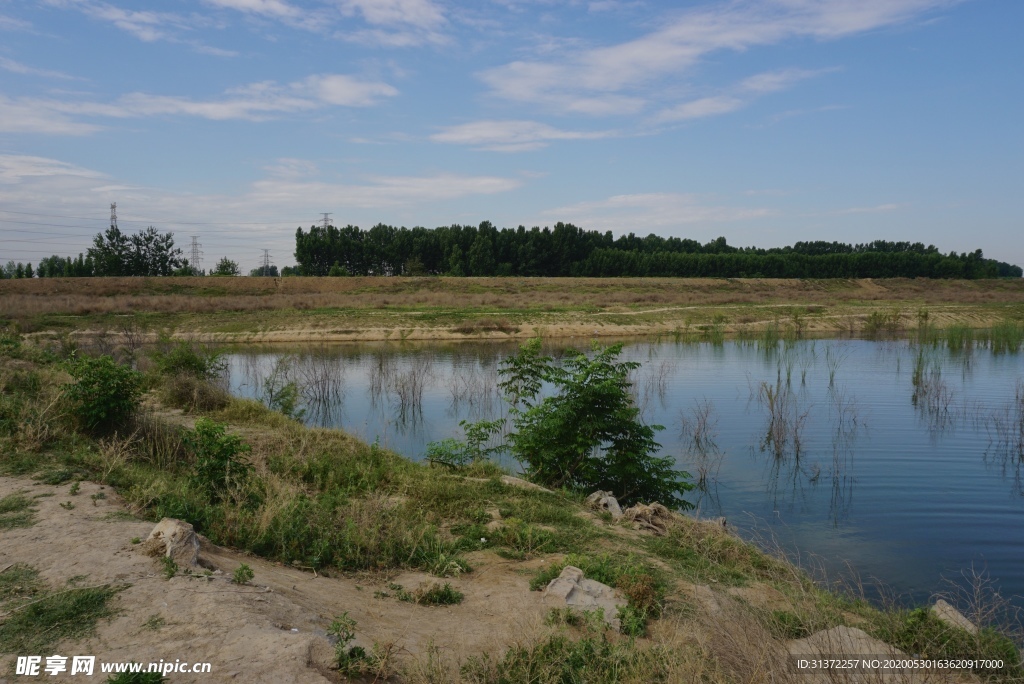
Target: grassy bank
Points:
(339, 309)
(702, 604)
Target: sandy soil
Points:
(271, 631)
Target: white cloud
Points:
(649, 212)
(339, 89)
(19, 68)
(509, 136)
(25, 115)
(399, 23)
(421, 13)
(287, 167)
(620, 77)
(738, 97)
(11, 24)
(697, 109)
(878, 209)
(15, 168)
(253, 102)
(271, 8)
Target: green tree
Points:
(226, 267)
(587, 433)
(146, 253)
(265, 271)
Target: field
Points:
(340, 309)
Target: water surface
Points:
(900, 461)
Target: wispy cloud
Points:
(253, 102)
(645, 212)
(395, 23)
(877, 209)
(27, 116)
(19, 68)
(11, 24)
(618, 78)
(510, 136)
(738, 96)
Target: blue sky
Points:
(764, 121)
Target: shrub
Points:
(105, 394)
(220, 465)
(243, 574)
(188, 359)
(350, 660)
(587, 434)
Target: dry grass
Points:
(27, 299)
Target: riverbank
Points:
(269, 310)
(335, 529)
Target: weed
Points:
(243, 574)
(170, 567)
(439, 595)
(186, 358)
(74, 488)
(67, 506)
(19, 582)
(154, 622)
(220, 467)
(136, 540)
(68, 614)
(16, 511)
(349, 660)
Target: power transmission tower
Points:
(113, 214)
(266, 262)
(326, 220)
(197, 255)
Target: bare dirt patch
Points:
(271, 630)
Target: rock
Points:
(572, 589)
(652, 517)
(604, 501)
(523, 484)
(175, 539)
(953, 617)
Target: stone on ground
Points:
(571, 589)
(605, 501)
(174, 539)
(953, 617)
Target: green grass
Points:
(35, 626)
(19, 582)
(16, 511)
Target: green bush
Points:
(243, 574)
(188, 359)
(105, 394)
(587, 433)
(220, 465)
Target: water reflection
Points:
(775, 429)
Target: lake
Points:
(900, 461)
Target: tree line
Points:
(567, 250)
(148, 252)
(564, 250)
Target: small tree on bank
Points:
(587, 433)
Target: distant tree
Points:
(28, 270)
(265, 271)
(288, 271)
(146, 253)
(226, 267)
(19, 270)
(337, 270)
